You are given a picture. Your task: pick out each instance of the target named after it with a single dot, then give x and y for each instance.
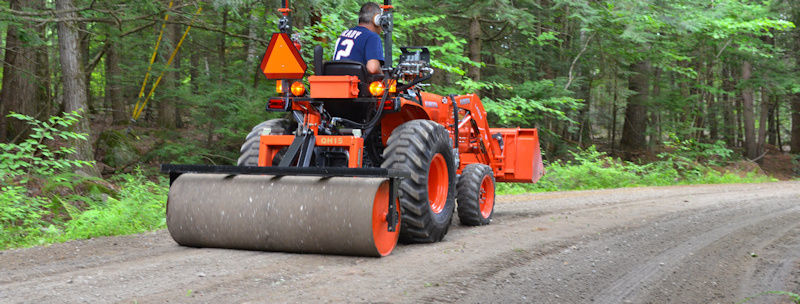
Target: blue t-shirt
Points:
(358, 44)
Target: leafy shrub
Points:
(20, 216)
(32, 161)
(32, 157)
(691, 151)
(42, 200)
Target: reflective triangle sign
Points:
(282, 60)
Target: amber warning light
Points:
(282, 60)
(298, 88)
(376, 88)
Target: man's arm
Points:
(374, 66)
(374, 54)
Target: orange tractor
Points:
(363, 161)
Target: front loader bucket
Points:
(522, 158)
(314, 213)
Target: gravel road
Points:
(687, 244)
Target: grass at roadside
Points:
(793, 297)
(592, 169)
(138, 206)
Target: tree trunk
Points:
(166, 105)
(772, 127)
(633, 130)
(762, 120)
(655, 116)
(739, 122)
(85, 39)
(73, 79)
(222, 65)
(697, 108)
(729, 128)
(253, 47)
(46, 106)
(585, 134)
(584, 92)
(119, 113)
(713, 109)
(475, 48)
(750, 141)
(194, 72)
(795, 98)
(613, 128)
(796, 123)
(778, 126)
(22, 88)
(179, 103)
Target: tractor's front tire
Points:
(476, 195)
(427, 198)
(249, 151)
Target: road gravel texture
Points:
(687, 244)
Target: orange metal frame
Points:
(270, 144)
(518, 160)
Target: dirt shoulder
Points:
(697, 244)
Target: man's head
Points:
(366, 16)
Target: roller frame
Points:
(393, 175)
(300, 149)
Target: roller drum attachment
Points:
(305, 214)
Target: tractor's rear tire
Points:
(249, 151)
(427, 198)
(476, 189)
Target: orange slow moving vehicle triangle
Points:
(282, 60)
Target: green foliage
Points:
(690, 152)
(447, 55)
(42, 199)
(181, 152)
(795, 298)
(33, 157)
(20, 216)
(591, 169)
(26, 220)
(141, 207)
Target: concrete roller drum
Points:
(333, 215)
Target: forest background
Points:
(624, 92)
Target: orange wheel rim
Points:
(438, 181)
(385, 241)
(487, 196)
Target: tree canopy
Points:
(625, 75)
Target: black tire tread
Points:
(248, 154)
(469, 187)
(411, 148)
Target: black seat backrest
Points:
(345, 67)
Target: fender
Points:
(409, 110)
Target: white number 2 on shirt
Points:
(348, 47)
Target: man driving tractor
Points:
(362, 42)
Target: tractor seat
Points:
(345, 67)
